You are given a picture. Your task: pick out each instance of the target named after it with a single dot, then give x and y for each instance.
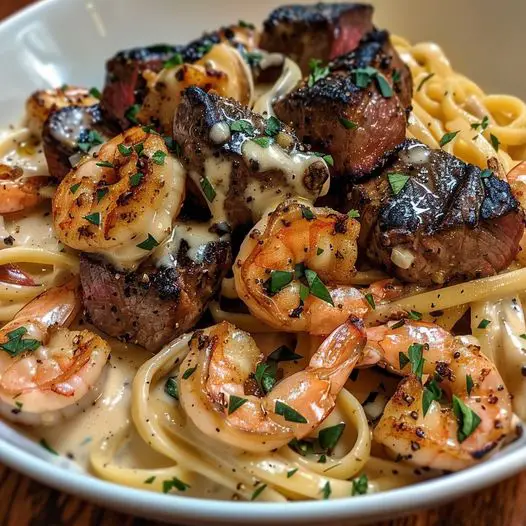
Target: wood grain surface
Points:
(24, 502)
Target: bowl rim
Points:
(155, 505)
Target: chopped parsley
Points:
(483, 324)
(326, 490)
(139, 148)
(94, 92)
(494, 142)
(307, 213)
(149, 480)
(170, 388)
(101, 192)
(124, 150)
(135, 179)
(149, 243)
(45, 444)
(15, 345)
(291, 472)
(317, 71)
(264, 142)
(131, 113)
(347, 124)
(288, 413)
(94, 138)
(486, 173)
(398, 324)
(353, 214)
(278, 280)
(319, 252)
(246, 25)
(447, 138)
(403, 359)
(329, 436)
(158, 157)
(273, 126)
(172, 145)
(424, 80)
(364, 76)
(415, 353)
(169, 485)
(370, 300)
(94, 218)
(317, 287)
(242, 126)
(74, 187)
(265, 377)
(189, 372)
(258, 491)
(235, 402)
(483, 124)
(432, 392)
(469, 384)
(360, 485)
(284, 354)
(174, 61)
(326, 157)
(467, 419)
(105, 164)
(397, 181)
(207, 189)
(414, 315)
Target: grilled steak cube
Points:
(69, 127)
(163, 298)
(355, 109)
(318, 31)
(125, 85)
(241, 161)
(427, 217)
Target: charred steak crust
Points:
(457, 221)
(319, 31)
(153, 305)
(197, 113)
(124, 85)
(356, 125)
(65, 129)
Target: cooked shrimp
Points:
(221, 363)
(123, 202)
(47, 372)
(44, 102)
(18, 192)
(444, 438)
(222, 70)
(300, 241)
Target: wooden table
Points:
(24, 502)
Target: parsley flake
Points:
(149, 480)
(170, 388)
(291, 472)
(189, 372)
(353, 214)
(105, 164)
(101, 192)
(265, 377)
(317, 71)
(329, 436)
(74, 187)
(45, 444)
(447, 138)
(307, 213)
(135, 179)
(494, 142)
(158, 157)
(467, 419)
(414, 315)
(264, 142)
(278, 280)
(347, 124)
(94, 92)
(207, 189)
(258, 492)
(94, 138)
(288, 413)
(360, 485)
(469, 384)
(243, 126)
(370, 300)
(124, 150)
(149, 243)
(131, 113)
(176, 483)
(432, 392)
(397, 181)
(94, 218)
(326, 490)
(15, 345)
(235, 402)
(483, 324)
(317, 287)
(273, 126)
(486, 173)
(174, 61)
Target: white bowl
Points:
(60, 41)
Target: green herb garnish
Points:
(149, 243)
(317, 287)
(353, 214)
(447, 138)
(101, 192)
(360, 485)
(469, 384)
(483, 324)
(94, 92)
(291, 472)
(158, 157)
(288, 413)
(397, 181)
(15, 345)
(317, 71)
(347, 124)
(432, 392)
(278, 280)
(273, 126)
(176, 483)
(307, 213)
(284, 354)
(329, 436)
(207, 189)
(467, 419)
(189, 372)
(174, 61)
(105, 164)
(242, 126)
(485, 173)
(124, 150)
(482, 124)
(94, 138)
(44, 443)
(74, 187)
(149, 480)
(131, 113)
(494, 142)
(370, 300)
(265, 377)
(94, 218)
(258, 492)
(170, 388)
(415, 352)
(264, 142)
(235, 402)
(414, 315)
(326, 490)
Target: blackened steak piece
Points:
(68, 127)
(356, 109)
(125, 85)
(444, 219)
(157, 302)
(318, 31)
(241, 160)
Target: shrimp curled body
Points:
(294, 236)
(462, 371)
(47, 372)
(130, 193)
(222, 359)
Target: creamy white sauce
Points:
(290, 77)
(19, 148)
(416, 154)
(198, 237)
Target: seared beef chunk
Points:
(240, 160)
(428, 217)
(71, 130)
(156, 303)
(319, 31)
(125, 85)
(355, 109)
